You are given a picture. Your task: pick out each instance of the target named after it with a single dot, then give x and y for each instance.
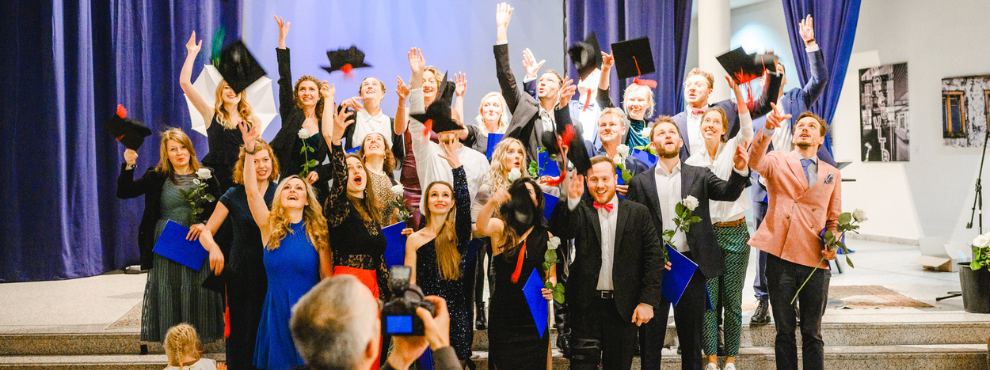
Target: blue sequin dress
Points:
(293, 269)
(428, 272)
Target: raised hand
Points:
(353, 103)
(249, 133)
(532, 66)
(460, 84)
(192, 47)
(327, 91)
(401, 89)
(807, 30)
(130, 157)
(740, 103)
(500, 197)
(774, 118)
(741, 159)
(575, 188)
(449, 154)
(566, 92)
(608, 61)
(283, 31)
(416, 62)
(503, 14)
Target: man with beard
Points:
(660, 189)
(369, 118)
(805, 199)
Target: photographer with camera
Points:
(336, 326)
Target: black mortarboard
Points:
(238, 67)
(127, 131)
(746, 67)
(437, 116)
(586, 55)
(345, 60)
(633, 58)
(577, 153)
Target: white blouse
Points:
(723, 166)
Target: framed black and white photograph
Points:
(884, 116)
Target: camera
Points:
(399, 315)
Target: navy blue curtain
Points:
(835, 30)
(666, 22)
(69, 63)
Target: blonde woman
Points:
(221, 118)
(173, 293)
(296, 255)
(637, 102)
(493, 118)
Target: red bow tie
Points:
(698, 111)
(607, 206)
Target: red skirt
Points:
(367, 277)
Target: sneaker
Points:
(761, 315)
(711, 366)
(729, 366)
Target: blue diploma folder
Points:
(172, 244)
(548, 167)
(549, 203)
(676, 279)
(538, 306)
(493, 140)
(395, 244)
(645, 157)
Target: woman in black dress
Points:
(301, 108)
(247, 282)
(519, 242)
(436, 252)
(221, 119)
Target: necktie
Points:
(698, 111)
(607, 206)
(805, 163)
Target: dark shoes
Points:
(762, 314)
(481, 318)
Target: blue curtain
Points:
(835, 30)
(70, 63)
(666, 22)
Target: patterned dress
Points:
(381, 184)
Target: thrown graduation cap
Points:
(586, 55)
(746, 67)
(437, 116)
(238, 67)
(345, 60)
(577, 152)
(633, 57)
(127, 131)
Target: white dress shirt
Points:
(781, 139)
(722, 166)
(669, 194)
(607, 220)
(695, 140)
(365, 124)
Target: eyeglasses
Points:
(697, 85)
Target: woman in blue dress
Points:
(297, 255)
(436, 252)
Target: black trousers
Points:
(600, 321)
(245, 299)
(689, 319)
(783, 280)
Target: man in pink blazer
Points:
(805, 198)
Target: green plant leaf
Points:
(559, 287)
(548, 285)
(302, 150)
(845, 218)
(558, 297)
(311, 163)
(694, 219)
(975, 265)
(311, 149)
(679, 209)
(626, 176)
(850, 262)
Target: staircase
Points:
(930, 340)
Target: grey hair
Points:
(334, 322)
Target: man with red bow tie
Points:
(614, 280)
(660, 189)
(697, 87)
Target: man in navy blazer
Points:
(697, 87)
(793, 102)
(660, 189)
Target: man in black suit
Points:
(530, 116)
(660, 189)
(614, 280)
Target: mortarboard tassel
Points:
(427, 126)
(587, 101)
(563, 140)
(642, 81)
(519, 263)
(121, 111)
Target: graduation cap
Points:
(238, 67)
(586, 55)
(577, 152)
(634, 58)
(437, 116)
(127, 131)
(345, 60)
(746, 67)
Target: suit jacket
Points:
(704, 185)
(150, 185)
(525, 123)
(757, 109)
(637, 257)
(795, 102)
(797, 213)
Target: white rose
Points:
(204, 174)
(553, 243)
(617, 159)
(304, 134)
(514, 174)
(859, 215)
(645, 133)
(623, 150)
(982, 241)
(690, 202)
(398, 190)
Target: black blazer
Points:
(701, 183)
(292, 120)
(150, 185)
(637, 261)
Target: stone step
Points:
(944, 356)
(73, 344)
(86, 362)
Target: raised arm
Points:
(336, 209)
(758, 159)
(327, 125)
(487, 225)
(185, 81)
(503, 70)
(286, 100)
(771, 90)
(563, 220)
(462, 196)
(127, 187)
(745, 134)
(401, 122)
(819, 71)
(605, 101)
(460, 83)
(255, 200)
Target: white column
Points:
(714, 30)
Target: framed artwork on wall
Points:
(884, 115)
(965, 102)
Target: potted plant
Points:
(975, 277)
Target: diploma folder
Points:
(538, 306)
(395, 244)
(172, 244)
